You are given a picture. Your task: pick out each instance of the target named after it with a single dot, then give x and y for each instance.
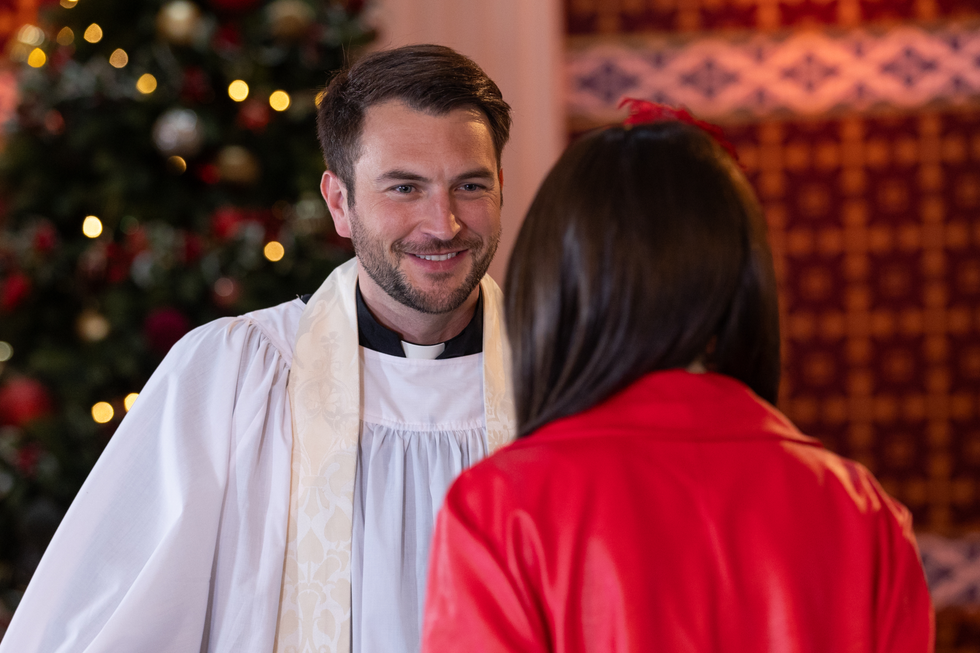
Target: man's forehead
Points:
(393, 127)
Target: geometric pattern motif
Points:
(952, 569)
(628, 17)
(756, 75)
(875, 232)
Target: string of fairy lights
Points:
(146, 84)
(30, 39)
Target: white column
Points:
(519, 45)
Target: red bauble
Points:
(21, 400)
(45, 238)
(164, 327)
(254, 115)
(14, 291)
(226, 221)
(118, 262)
(208, 173)
(193, 248)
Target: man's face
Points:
(426, 217)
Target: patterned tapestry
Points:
(859, 125)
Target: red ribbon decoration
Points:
(645, 112)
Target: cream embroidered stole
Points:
(325, 398)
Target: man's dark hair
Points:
(429, 78)
(645, 249)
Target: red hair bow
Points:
(645, 112)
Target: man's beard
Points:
(379, 266)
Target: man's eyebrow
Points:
(478, 173)
(399, 175)
(405, 175)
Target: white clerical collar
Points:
(426, 352)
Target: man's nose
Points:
(440, 219)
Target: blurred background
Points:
(159, 168)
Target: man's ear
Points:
(335, 195)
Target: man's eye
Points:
(471, 187)
(403, 188)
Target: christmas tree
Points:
(162, 171)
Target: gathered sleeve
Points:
(201, 459)
(479, 596)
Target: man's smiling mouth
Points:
(436, 257)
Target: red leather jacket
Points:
(683, 514)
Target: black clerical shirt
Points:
(374, 335)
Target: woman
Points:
(657, 501)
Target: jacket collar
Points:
(681, 405)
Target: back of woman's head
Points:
(645, 249)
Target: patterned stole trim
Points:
(324, 393)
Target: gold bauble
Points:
(179, 22)
(290, 19)
(92, 326)
(237, 165)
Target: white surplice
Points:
(422, 426)
(176, 540)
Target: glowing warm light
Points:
(279, 100)
(92, 227)
(37, 58)
(6, 351)
(274, 251)
(102, 412)
(130, 400)
(319, 97)
(68, 4)
(177, 164)
(93, 33)
(30, 35)
(65, 36)
(118, 58)
(238, 90)
(146, 84)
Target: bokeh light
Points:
(30, 35)
(102, 412)
(224, 287)
(274, 251)
(176, 165)
(92, 226)
(6, 351)
(146, 84)
(130, 400)
(238, 90)
(93, 33)
(37, 58)
(65, 36)
(279, 100)
(118, 58)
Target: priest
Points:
(274, 486)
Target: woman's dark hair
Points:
(645, 249)
(430, 78)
